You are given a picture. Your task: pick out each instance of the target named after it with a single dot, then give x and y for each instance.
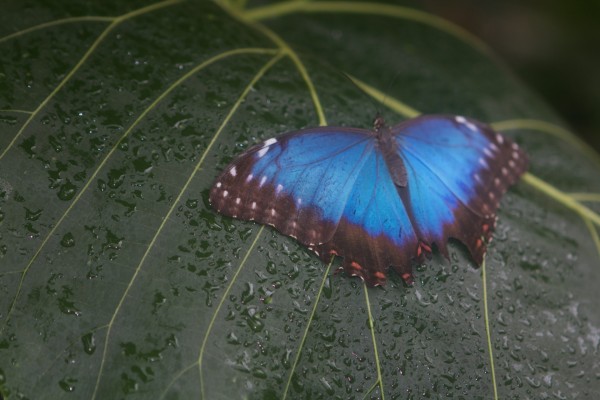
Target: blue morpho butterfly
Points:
(378, 198)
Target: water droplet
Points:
(31, 231)
(327, 386)
(286, 358)
(245, 233)
(271, 267)
(142, 165)
(534, 383)
(191, 203)
(328, 288)
(68, 307)
(89, 343)
(116, 176)
(159, 300)
(101, 185)
(248, 293)
(68, 240)
(259, 373)
(28, 145)
(129, 348)
(112, 242)
(67, 384)
(67, 191)
(294, 257)
(55, 143)
(255, 324)
(232, 338)
(329, 335)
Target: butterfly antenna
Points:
(391, 85)
(378, 112)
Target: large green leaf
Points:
(118, 280)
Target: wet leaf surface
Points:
(117, 280)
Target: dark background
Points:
(552, 45)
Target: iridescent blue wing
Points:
(457, 171)
(375, 231)
(299, 182)
(330, 189)
(377, 199)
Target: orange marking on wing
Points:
(379, 275)
(356, 266)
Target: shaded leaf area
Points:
(118, 280)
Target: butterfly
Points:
(378, 198)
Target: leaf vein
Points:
(305, 333)
(374, 339)
(187, 183)
(368, 8)
(83, 190)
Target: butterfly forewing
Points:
(297, 183)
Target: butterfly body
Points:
(378, 198)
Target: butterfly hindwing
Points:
(374, 232)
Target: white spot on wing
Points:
(225, 193)
(279, 188)
(233, 171)
(471, 126)
(237, 201)
(263, 180)
(499, 138)
(462, 120)
(218, 184)
(249, 178)
(515, 155)
(487, 152)
(262, 152)
(483, 163)
(254, 205)
(269, 142)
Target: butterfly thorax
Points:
(389, 148)
(378, 123)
